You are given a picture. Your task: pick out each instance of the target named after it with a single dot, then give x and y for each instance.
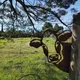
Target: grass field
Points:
(19, 61)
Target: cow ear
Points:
(35, 43)
(45, 50)
(64, 35)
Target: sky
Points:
(67, 18)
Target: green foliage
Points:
(13, 33)
(65, 3)
(57, 27)
(47, 25)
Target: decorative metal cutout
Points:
(63, 49)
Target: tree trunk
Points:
(2, 27)
(75, 54)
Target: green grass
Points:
(18, 59)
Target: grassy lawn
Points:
(19, 61)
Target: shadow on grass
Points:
(28, 76)
(45, 73)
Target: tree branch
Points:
(48, 11)
(3, 2)
(37, 17)
(25, 9)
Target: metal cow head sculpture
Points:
(63, 49)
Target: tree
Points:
(57, 27)
(75, 55)
(36, 9)
(2, 28)
(42, 10)
(47, 25)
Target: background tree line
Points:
(15, 33)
